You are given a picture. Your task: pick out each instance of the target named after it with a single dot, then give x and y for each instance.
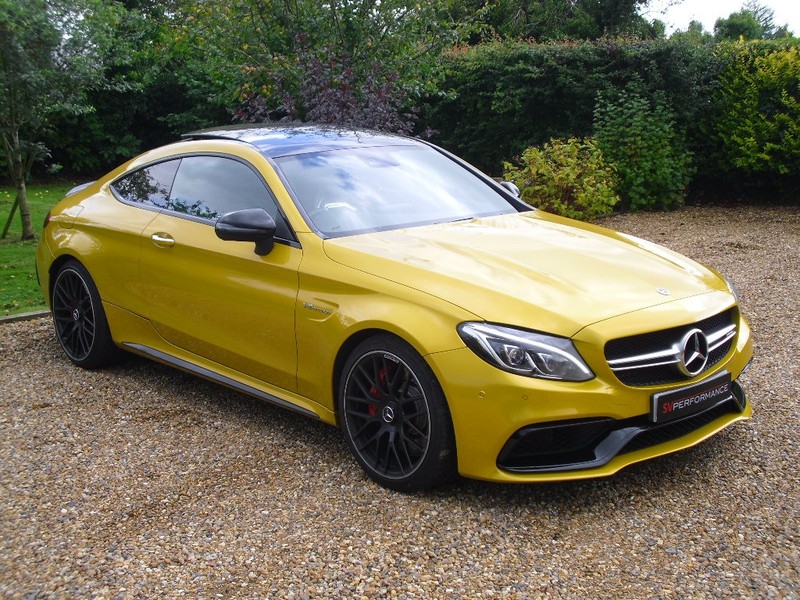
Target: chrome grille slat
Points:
(653, 359)
(645, 365)
(717, 338)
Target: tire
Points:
(79, 319)
(394, 416)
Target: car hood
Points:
(530, 269)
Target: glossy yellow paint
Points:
(236, 308)
(569, 273)
(282, 323)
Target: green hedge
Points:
(756, 118)
(566, 177)
(638, 136)
(732, 108)
(499, 99)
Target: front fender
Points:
(329, 313)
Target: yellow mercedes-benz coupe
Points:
(382, 285)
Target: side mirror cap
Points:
(511, 188)
(248, 225)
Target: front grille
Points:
(591, 443)
(654, 358)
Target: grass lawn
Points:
(19, 289)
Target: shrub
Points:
(638, 136)
(566, 177)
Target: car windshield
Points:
(344, 192)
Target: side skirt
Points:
(185, 365)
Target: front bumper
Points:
(591, 443)
(511, 428)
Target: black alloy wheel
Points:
(79, 319)
(394, 416)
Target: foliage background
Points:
(19, 287)
(485, 80)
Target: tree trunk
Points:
(24, 210)
(19, 164)
(9, 220)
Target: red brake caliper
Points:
(376, 393)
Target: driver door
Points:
(218, 299)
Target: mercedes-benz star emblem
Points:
(694, 355)
(388, 414)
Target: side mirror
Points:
(248, 225)
(511, 188)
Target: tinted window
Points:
(150, 185)
(354, 190)
(211, 186)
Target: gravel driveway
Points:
(140, 481)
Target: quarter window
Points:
(150, 186)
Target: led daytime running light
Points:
(526, 352)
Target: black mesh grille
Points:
(565, 442)
(662, 340)
(673, 431)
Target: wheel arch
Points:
(55, 267)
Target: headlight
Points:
(525, 352)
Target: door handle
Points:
(163, 240)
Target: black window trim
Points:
(294, 242)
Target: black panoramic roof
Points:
(285, 139)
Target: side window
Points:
(210, 186)
(150, 186)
